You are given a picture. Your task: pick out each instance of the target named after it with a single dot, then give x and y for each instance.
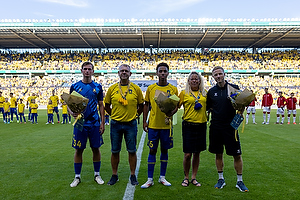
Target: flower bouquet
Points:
(165, 102)
(77, 104)
(239, 99)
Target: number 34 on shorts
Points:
(75, 143)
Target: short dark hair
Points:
(218, 67)
(162, 65)
(87, 63)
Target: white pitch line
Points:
(130, 189)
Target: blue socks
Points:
(151, 164)
(77, 167)
(97, 167)
(163, 164)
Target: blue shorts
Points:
(164, 135)
(91, 132)
(55, 109)
(117, 130)
(13, 110)
(2, 110)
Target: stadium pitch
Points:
(37, 163)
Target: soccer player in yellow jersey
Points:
(193, 99)
(157, 128)
(64, 113)
(123, 102)
(50, 112)
(33, 96)
(55, 100)
(6, 108)
(13, 107)
(2, 99)
(34, 114)
(21, 108)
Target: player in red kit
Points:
(291, 107)
(267, 101)
(281, 102)
(251, 109)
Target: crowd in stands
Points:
(140, 60)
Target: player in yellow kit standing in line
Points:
(157, 128)
(2, 99)
(13, 108)
(33, 96)
(50, 112)
(6, 107)
(34, 107)
(55, 100)
(21, 108)
(64, 113)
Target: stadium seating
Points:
(139, 60)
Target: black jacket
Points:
(220, 106)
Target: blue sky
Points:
(151, 9)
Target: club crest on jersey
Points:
(130, 91)
(80, 90)
(94, 90)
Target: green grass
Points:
(37, 163)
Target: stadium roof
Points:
(109, 33)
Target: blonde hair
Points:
(201, 85)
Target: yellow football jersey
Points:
(34, 107)
(49, 109)
(157, 118)
(188, 102)
(54, 100)
(13, 101)
(120, 112)
(21, 107)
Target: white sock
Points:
(247, 117)
(294, 119)
(239, 177)
(253, 117)
(96, 173)
(264, 115)
(268, 117)
(282, 119)
(278, 118)
(77, 175)
(221, 175)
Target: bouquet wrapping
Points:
(165, 102)
(75, 101)
(77, 104)
(239, 99)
